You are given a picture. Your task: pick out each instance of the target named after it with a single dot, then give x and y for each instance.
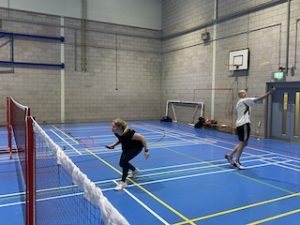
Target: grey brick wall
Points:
(131, 72)
(188, 61)
(118, 57)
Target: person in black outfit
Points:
(132, 144)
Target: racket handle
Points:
(146, 155)
(109, 147)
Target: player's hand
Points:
(109, 146)
(146, 154)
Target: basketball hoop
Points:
(233, 67)
(237, 66)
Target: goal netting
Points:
(184, 111)
(219, 105)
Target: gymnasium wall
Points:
(138, 13)
(131, 71)
(110, 70)
(192, 68)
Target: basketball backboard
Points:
(239, 60)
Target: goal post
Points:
(184, 111)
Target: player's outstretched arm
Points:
(265, 95)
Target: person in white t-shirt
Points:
(243, 107)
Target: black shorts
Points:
(243, 132)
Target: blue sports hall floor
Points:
(186, 179)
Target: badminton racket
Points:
(87, 142)
(163, 135)
(109, 147)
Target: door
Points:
(285, 115)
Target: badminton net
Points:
(56, 191)
(64, 194)
(16, 114)
(16, 130)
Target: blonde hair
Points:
(120, 123)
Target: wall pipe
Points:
(83, 35)
(214, 54)
(287, 37)
(296, 45)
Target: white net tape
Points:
(92, 193)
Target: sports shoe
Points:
(121, 185)
(239, 166)
(133, 173)
(230, 160)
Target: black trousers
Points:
(124, 161)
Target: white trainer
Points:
(133, 173)
(239, 166)
(120, 186)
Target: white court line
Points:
(250, 155)
(64, 134)
(294, 165)
(11, 204)
(143, 183)
(191, 164)
(12, 194)
(219, 146)
(132, 185)
(209, 166)
(204, 174)
(287, 167)
(193, 136)
(98, 128)
(258, 157)
(43, 199)
(173, 171)
(145, 206)
(54, 188)
(229, 170)
(177, 136)
(8, 160)
(112, 135)
(65, 142)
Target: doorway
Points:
(283, 111)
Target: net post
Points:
(30, 172)
(8, 126)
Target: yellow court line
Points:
(242, 208)
(239, 174)
(266, 184)
(187, 220)
(275, 217)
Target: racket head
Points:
(87, 142)
(163, 133)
